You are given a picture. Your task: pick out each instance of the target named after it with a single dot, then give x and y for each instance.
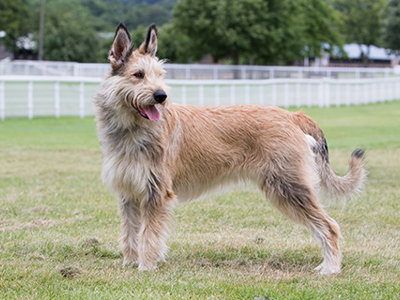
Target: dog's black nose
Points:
(160, 96)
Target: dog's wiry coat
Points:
(156, 153)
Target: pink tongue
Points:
(151, 112)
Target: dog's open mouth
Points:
(149, 112)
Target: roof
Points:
(353, 51)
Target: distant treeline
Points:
(230, 31)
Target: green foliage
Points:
(172, 44)
(13, 16)
(255, 30)
(133, 13)
(69, 34)
(361, 21)
(319, 23)
(236, 31)
(391, 26)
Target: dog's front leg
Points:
(129, 210)
(157, 215)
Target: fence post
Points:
(398, 89)
(357, 98)
(286, 95)
(298, 98)
(2, 104)
(247, 94)
(184, 94)
(201, 95)
(261, 94)
(274, 94)
(321, 94)
(243, 72)
(348, 95)
(393, 90)
(82, 99)
(217, 98)
(337, 94)
(188, 72)
(365, 96)
(327, 84)
(75, 67)
(309, 100)
(215, 73)
(271, 73)
(57, 99)
(232, 94)
(30, 99)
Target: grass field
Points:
(59, 224)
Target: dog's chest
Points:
(126, 169)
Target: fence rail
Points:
(27, 96)
(196, 71)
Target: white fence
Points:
(195, 71)
(72, 96)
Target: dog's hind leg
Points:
(157, 216)
(298, 201)
(129, 211)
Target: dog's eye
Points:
(139, 75)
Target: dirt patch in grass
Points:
(33, 224)
(70, 272)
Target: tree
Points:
(361, 22)
(261, 31)
(319, 23)
(391, 27)
(13, 14)
(69, 34)
(172, 45)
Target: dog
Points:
(157, 153)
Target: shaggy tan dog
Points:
(156, 153)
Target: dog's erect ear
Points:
(149, 46)
(121, 47)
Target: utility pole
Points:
(41, 30)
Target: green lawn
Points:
(59, 224)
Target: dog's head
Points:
(137, 76)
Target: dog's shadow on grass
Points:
(287, 260)
(298, 260)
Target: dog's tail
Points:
(335, 186)
(340, 187)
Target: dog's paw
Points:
(325, 269)
(319, 268)
(130, 263)
(147, 267)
